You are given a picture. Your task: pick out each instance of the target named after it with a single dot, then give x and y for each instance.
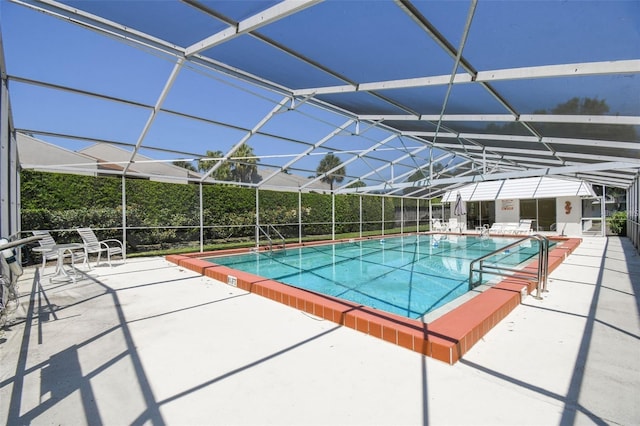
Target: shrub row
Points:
(164, 213)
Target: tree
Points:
(423, 173)
(574, 106)
(357, 184)
(328, 163)
(185, 165)
(420, 174)
(244, 168)
(221, 173)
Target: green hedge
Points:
(62, 201)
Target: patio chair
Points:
(510, 228)
(504, 228)
(453, 224)
(524, 227)
(49, 249)
(436, 225)
(92, 245)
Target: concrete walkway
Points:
(147, 342)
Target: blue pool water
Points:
(409, 276)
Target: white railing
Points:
(540, 276)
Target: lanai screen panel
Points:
(413, 97)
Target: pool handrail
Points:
(543, 265)
(266, 234)
(279, 234)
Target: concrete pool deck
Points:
(148, 342)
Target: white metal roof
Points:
(527, 188)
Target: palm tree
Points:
(221, 173)
(245, 169)
(328, 163)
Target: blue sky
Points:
(362, 45)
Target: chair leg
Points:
(86, 259)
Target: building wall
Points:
(507, 210)
(569, 216)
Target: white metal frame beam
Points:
(350, 160)
(308, 151)
(516, 138)
(154, 113)
(390, 164)
(523, 118)
(564, 70)
(548, 171)
(252, 23)
(246, 137)
(495, 155)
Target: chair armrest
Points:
(42, 250)
(111, 241)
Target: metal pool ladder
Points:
(540, 276)
(266, 234)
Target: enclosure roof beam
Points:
(350, 160)
(163, 95)
(531, 118)
(246, 137)
(517, 138)
(308, 151)
(631, 66)
(272, 14)
(506, 175)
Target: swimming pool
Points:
(410, 275)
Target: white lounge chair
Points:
(436, 225)
(453, 224)
(506, 228)
(93, 245)
(495, 228)
(510, 228)
(524, 227)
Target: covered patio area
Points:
(318, 102)
(198, 351)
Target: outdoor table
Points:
(63, 250)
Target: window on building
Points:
(542, 211)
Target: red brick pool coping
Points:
(447, 338)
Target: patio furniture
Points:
(524, 227)
(436, 225)
(453, 224)
(47, 247)
(510, 228)
(75, 251)
(50, 250)
(92, 245)
(497, 228)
